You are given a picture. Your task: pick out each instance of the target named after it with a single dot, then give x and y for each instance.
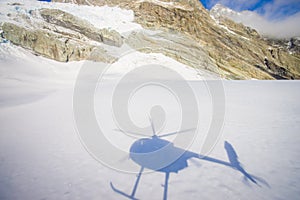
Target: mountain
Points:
(274, 34)
(245, 17)
(182, 30)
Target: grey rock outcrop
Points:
(53, 45)
(174, 45)
(69, 21)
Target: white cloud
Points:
(286, 28)
(274, 22)
(276, 9)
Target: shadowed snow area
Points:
(41, 156)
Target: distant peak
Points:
(219, 6)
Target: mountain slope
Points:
(274, 34)
(220, 46)
(238, 51)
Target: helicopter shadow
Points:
(144, 146)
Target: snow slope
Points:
(42, 156)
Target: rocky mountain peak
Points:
(219, 10)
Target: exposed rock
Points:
(52, 45)
(14, 4)
(291, 45)
(67, 20)
(174, 45)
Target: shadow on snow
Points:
(155, 153)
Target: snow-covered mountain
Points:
(219, 11)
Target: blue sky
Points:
(237, 4)
(271, 9)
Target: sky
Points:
(279, 18)
(273, 9)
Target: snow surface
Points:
(42, 157)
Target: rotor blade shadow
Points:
(179, 132)
(131, 133)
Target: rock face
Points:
(292, 45)
(176, 46)
(52, 45)
(66, 20)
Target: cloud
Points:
(277, 18)
(279, 9)
(284, 28)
